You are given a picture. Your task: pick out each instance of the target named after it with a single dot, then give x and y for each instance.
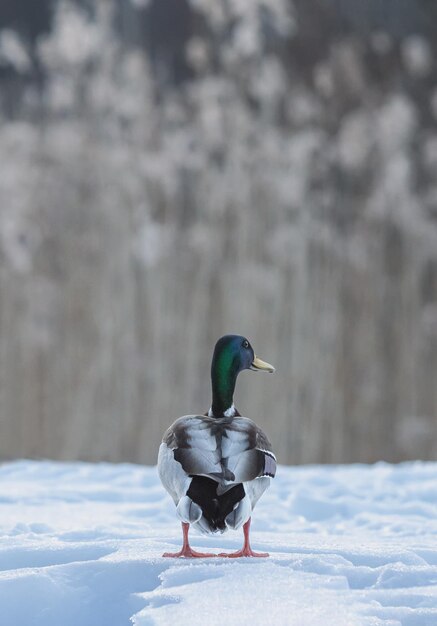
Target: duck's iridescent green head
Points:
(232, 354)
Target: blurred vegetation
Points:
(174, 170)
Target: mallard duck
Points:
(216, 466)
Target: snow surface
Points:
(81, 545)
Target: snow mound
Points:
(81, 545)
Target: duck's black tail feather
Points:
(215, 507)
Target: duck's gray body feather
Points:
(231, 451)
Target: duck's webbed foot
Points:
(187, 552)
(246, 550)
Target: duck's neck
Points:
(223, 378)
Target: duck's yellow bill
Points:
(259, 365)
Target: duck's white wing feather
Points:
(172, 474)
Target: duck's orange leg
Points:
(246, 550)
(187, 551)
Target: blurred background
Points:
(174, 170)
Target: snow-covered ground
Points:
(81, 545)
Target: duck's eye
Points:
(245, 344)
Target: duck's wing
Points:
(195, 446)
(228, 450)
(246, 451)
